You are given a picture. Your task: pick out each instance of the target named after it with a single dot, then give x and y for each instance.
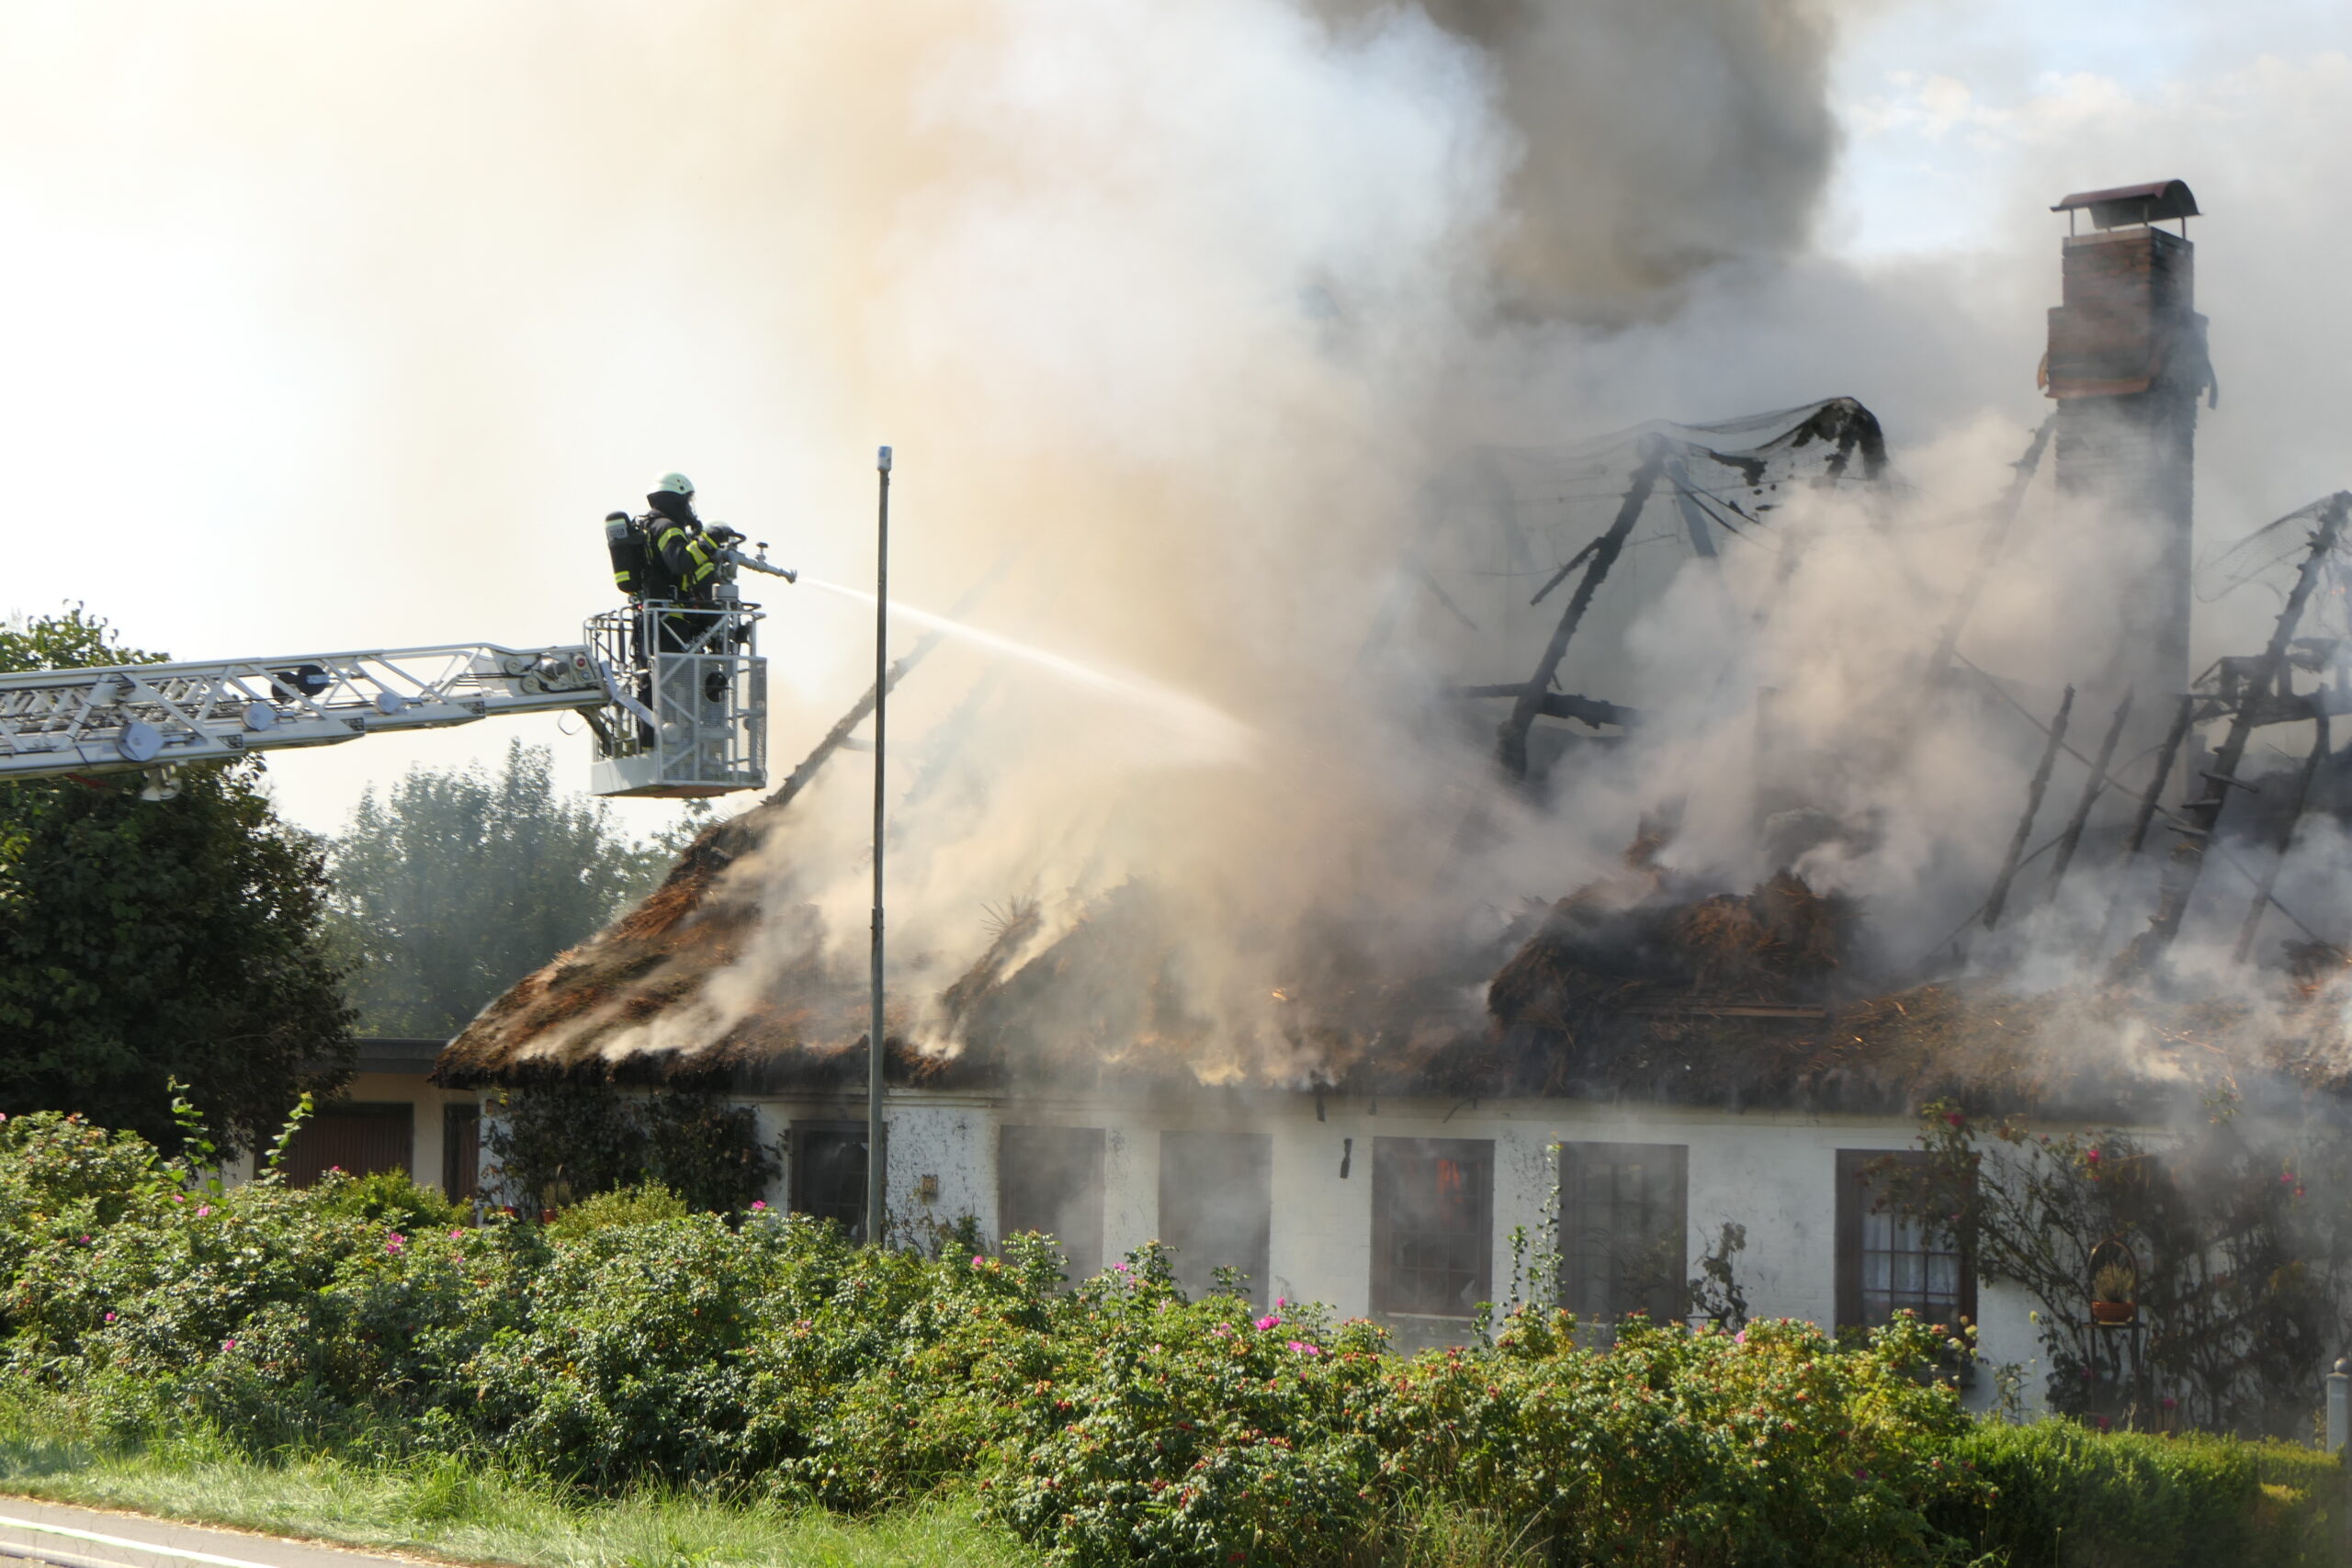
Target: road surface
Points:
(36, 1534)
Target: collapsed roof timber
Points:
(1640, 985)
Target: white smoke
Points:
(359, 318)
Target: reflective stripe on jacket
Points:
(691, 558)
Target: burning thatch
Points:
(1628, 992)
(1637, 987)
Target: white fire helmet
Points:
(676, 484)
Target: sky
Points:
(362, 359)
(1947, 107)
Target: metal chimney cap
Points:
(2151, 203)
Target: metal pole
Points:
(876, 1157)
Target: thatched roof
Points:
(1635, 988)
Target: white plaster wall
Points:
(1772, 1171)
(954, 1143)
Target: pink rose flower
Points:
(758, 1204)
(1269, 1321)
(110, 1317)
(203, 1209)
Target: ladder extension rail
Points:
(125, 718)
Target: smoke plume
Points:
(1172, 313)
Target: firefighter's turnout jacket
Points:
(665, 555)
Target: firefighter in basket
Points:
(679, 574)
(666, 556)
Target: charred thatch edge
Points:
(1489, 1075)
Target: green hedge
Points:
(1114, 1422)
(2059, 1494)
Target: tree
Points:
(146, 939)
(2231, 1242)
(460, 882)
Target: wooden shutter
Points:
(357, 1137)
(461, 1150)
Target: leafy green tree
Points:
(144, 940)
(461, 882)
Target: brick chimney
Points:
(2127, 362)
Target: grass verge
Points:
(446, 1507)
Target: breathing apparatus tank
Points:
(626, 546)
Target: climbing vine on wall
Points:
(557, 1144)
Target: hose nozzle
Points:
(756, 564)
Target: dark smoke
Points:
(1661, 138)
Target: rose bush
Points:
(1114, 1421)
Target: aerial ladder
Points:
(674, 696)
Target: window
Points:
(461, 1150)
(829, 1173)
(1887, 1260)
(1432, 1225)
(1050, 1180)
(357, 1136)
(1217, 1206)
(1624, 1230)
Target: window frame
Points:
(798, 1199)
(1579, 1160)
(1856, 1199)
(1084, 1261)
(1254, 1169)
(1387, 1156)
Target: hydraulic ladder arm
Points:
(139, 716)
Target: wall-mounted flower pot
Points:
(2114, 1314)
